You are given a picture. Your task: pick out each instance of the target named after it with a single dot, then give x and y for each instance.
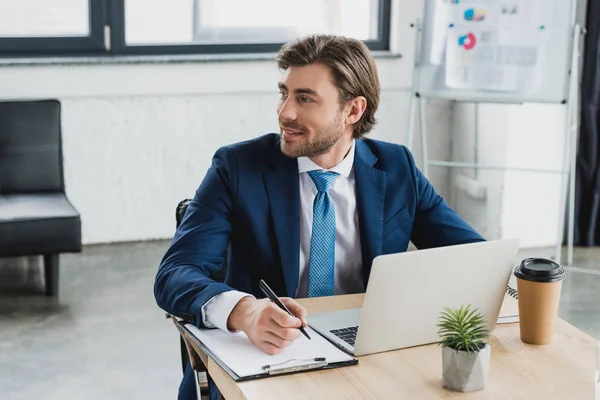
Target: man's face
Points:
(310, 117)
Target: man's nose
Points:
(287, 110)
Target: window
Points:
(51, 27)
(109, 27)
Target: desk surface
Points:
(561, 370)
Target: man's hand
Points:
(268, 326)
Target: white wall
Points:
(531, 200)
(518, 204)
(479, 138)
(139, 137)
(129, 160)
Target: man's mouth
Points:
(291, 132)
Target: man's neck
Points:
(335, 155)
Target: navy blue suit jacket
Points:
(249, 205)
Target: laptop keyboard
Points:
(348, 335)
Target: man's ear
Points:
(356, 107)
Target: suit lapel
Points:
(370, 198)
(282, 186)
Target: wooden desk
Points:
(561, 370)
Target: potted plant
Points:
(465, 352)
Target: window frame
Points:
(108, 17)
(93, 44)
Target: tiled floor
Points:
(106, 338)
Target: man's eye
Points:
(305, 99)
(283, 95)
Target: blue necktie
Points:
(322, 242)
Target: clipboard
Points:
(226, 349)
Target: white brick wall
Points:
(129, 160)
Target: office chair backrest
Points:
(180, 211)
(30, 147)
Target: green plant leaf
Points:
(462, 329)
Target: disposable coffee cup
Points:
(539, 283)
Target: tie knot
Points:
(323, 179)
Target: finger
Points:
(276, 340)
(270, 348)
(282, 318)
(288, 334)
(268, 342)
(296, 309)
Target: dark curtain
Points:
(587, 183)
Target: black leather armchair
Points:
(36, 218)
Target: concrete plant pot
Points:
(465, 372)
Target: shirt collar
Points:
(343, 168)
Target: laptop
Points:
(408, 291)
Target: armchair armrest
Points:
(197, 361)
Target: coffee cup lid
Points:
(539, 270)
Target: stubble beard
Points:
(323, 141)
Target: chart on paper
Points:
(515, 49)
(490, 45)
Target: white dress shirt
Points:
(348, 256)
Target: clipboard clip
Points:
(315, 363)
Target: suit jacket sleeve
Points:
(436, 224)
(183, 283)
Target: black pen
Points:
(269, 293)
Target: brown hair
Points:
(352, 66)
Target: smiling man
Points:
(307, 209)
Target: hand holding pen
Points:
(271, 295)
(267, 325)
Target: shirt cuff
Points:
(216, 310)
